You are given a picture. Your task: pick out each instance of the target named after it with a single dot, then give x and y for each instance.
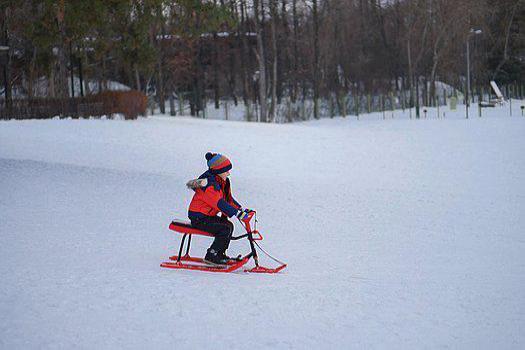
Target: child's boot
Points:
(213, 257)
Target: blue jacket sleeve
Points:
(226, 208)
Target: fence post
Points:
(392, 103)
(172, 105)
(402, 98)
(383, 105)
(510, 106)
(445, 98)
(437, 105)
(356, 102)
(343, 104)
(331, 107)
(204, 108)
(181, 102)
(510, 99)
(247, 113)
(479, 108)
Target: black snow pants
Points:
(220, 227)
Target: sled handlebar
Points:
(246, 223)
(248, 218)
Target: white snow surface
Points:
(398, 234)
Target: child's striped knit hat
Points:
(218, 163)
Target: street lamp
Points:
(467, 94)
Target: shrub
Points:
(130, 103)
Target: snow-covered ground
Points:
(397, 233)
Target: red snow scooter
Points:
(190, 263)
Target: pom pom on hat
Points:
(217, 163)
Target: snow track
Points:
(397, 234)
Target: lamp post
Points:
(467, 93)
(4, 60)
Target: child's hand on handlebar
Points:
(244, 214)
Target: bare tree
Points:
(512, 8)
(273, 13)
(262, 63)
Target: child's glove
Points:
(243, 214)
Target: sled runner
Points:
(191, 263)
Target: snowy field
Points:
(398, 234)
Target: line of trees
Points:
(261, 52)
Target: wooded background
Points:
(263, 53)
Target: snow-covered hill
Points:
(397, 234)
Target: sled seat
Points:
(185, 228)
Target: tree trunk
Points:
(283, 56)
(243, 48)
(262, 65)
(173, 112)
(6, 73)
(138, 85)
(215, 71)
(232, 73)
(410, 76)
(51, 82)
(161, 88)
(293, 95)
(417, 97)
(87, 88)
(507, 38)
(316, 58)
(62, 87)
(31, 75)
(273, 11)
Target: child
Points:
(213, 195)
